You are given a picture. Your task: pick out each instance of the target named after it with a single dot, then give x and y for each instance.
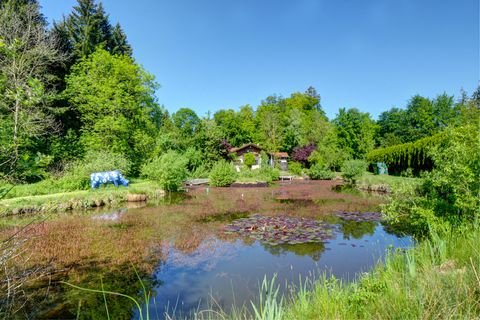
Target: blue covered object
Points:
(381, 168)
(115, 177)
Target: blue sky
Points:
(370, 54)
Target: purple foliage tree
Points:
(225, 147)
(301, 154)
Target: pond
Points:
(209, 248)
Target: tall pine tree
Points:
(88, 27)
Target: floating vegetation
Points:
(359, 216)
(281, 229)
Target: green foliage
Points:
(87, 28)
(203, 171)
(265, 173)
(410, 154)
(352, 170)
(209, 140)
(453, 186)
(194, 158)
(77, 174)
(438, 277)
(422, 118)
(355, 132)
(408, 173)
(249, 159)
(222, 174)
(329, 156)
(319, 172)
(272, 173)
(237, 127)
(170, 170)
(270, 303)
(449, 193)
(295, 168)
(186, 120)
(27, 115)
(115, 99)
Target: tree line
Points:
(75, 89)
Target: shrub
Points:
(352, 170)
(295, 168)
(448, 195)
(407, 173)
(266, 173)
(249, 159)
(301, 154)
(77, 174)
(194, 158)
(319, 172)
(223, 174)
(273, 174)
(201, 172)
(169, 170)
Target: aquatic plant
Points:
(270, 307)
(281, 229)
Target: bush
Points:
(295, 168)
(448, 195)
(407, 173)
(352, 170)
(194, 158)
(249, 159)
(201, 172)
(169, 170)
(77, 174)
(319, 172)
(270, 173)
(223, 174)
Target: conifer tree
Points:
(88, 27)
(119, 44)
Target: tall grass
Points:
(436, 280)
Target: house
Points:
(279, 158)
(247, 148)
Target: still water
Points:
(179, 251)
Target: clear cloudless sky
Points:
(369, 54)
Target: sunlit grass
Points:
(436, 280)
(82, 199)
(392, 182)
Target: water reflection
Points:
(230, 272)
(178, 247)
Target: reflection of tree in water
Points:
(356, 230)
(399, 229)
(313, 250)
(69, 303)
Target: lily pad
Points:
(281, 229)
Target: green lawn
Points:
(369, 180)
(108, 195)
